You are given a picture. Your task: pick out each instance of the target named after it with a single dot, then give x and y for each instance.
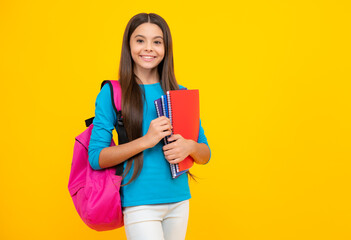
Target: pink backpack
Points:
(95, 193)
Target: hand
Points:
(158, 129)
(178, 150)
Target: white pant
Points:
(157, 221)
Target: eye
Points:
(158, 42)
(139, 40)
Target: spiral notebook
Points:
(162, 110)
(184, 113)
(183, 120)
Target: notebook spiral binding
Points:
(158, 114)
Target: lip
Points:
(147, 60)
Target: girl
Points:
(154, 205)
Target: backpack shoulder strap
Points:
(116, 93)
(116, 97)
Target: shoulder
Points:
(181, 86)
(103, 104)
(104, 95)
(105, 90)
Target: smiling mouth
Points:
(147, 58)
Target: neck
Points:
(147, 76)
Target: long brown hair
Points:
(132, 104)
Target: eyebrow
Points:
(144, 36)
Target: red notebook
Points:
(184, 114)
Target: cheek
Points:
(134, 49)
(134, 57)
(135, 54)
(161, 52)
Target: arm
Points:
(101, 154)
(200, 152)
(178, 150)
(111, 156)
(158, 129)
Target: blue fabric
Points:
(154, 185)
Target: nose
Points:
(148, 46)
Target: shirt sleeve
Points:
(104, 123)
(202, 139)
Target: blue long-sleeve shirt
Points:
(155, 184)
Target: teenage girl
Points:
(154, 205)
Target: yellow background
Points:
(274, 80)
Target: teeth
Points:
(148, 57)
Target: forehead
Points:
(149, 30)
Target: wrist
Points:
(192, 146)
(144, 142)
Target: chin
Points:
(149, 66)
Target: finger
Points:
(169, 151)
(166, 133)
(171, 138)
(166, 147)
(170, 142)
(158, 120)
(171, 157)
(170, 145)
(177, 136)
(164, 122)
(174, 137)
(174, 161)
(167, 119)
(164, 128)
(162, 118)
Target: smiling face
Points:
(147, 46)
